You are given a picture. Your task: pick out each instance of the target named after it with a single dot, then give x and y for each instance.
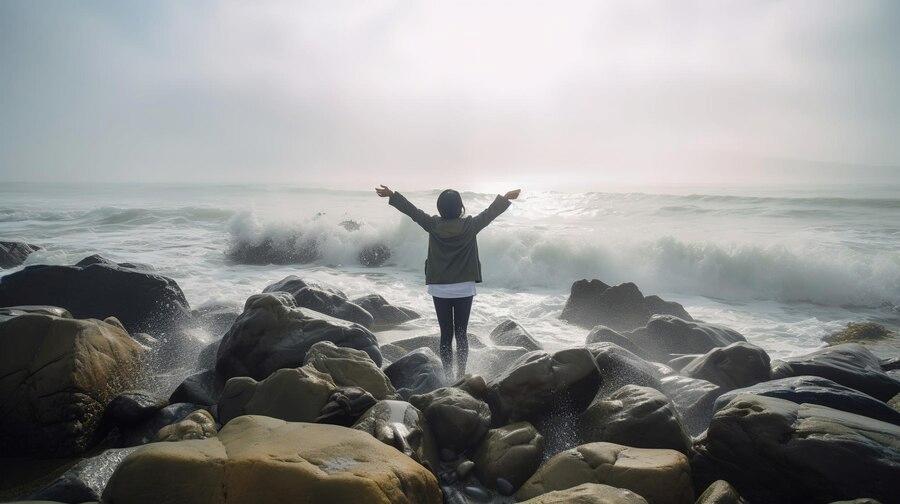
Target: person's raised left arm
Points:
(500, 204)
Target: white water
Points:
(784, 267)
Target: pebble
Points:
(476, 492)
(465, 468)
(504, 487)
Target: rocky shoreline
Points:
(301, 400)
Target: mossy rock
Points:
(859, 332)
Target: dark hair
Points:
(450, 205)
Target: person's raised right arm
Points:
(397, 201)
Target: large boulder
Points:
(666, 336)
(720, 492)
(142, 300)
(693, 398)
(634, 416)
(350, 368)
(588, 493)
(821, 391)
(773, 450)
(401, 425)
(418, 372)
(512, 452)
(323, 300)
(659, 476)
(621, 307)
(385, 314)
(511, 333)
(202, 388)
(457, 419)
(619, 367)
(851, 365)
(13, 253)
(272, 333)
(57, 376)
(260, 459)
(734, 366)
(84, 481)
(539, 384)
(292, 394)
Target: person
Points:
(452, 268)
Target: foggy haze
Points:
(431, 94)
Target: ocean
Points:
(784, 266)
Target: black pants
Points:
(453, 317)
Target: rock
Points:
(679, 362)
(619, 367)
(490, 362)
(504, 487)
(331, 303)
(734, 366)
(693, 398)
(622, 307)
(385, 314)
(272, 334)
(374, 255)
(895, 403)
(512, 453)
(636, 416)
(588, 493)
(133, 406)
(401, 425)
(457, 419)
(858, 332)
(464, 468)
(350, 368)
(291, 249)
(292, 394)
(890, 364)
(9, 312)
(345, 406)
(99, 259)
(144, 301)
(511, 333)
(849, 364)
(477, 493)
(216, 319)
(433, 341)
(198, 425)
(260, 459)
(720, 492)
(665, 336)
(603, 334)
(85, 480)
(541, 384)
(816, 390)
(659, 476)
(773, 450)
(147, 431)
(57, 376)
(418, 372)
(391, 353)
(13, 254)
(202, 388)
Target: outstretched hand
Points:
(511, 195)
(384, 191)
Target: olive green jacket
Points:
(452, 247)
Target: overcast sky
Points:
(558, 94)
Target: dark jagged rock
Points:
(374, 255)
(603, 334)
(345, 406)
(737, 365)
(292, 394)
(384, 313)
(619, 367)
(457, 419)
(540, 384)
(291, 250)
(821, 391)
(773, 450)
(146, 431)
(634, 416)
(202, 388)
(401, 425)
(693, 398)
(133, 406)
(511, 333)
(99, 259)
(418, 372)
(142, 300)
(323, 300)
(510, 453)
(57, 376)
(13, 253)
(850, 364)
(665, 336)
(621, 307)
(272, 334)
(85, 481)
